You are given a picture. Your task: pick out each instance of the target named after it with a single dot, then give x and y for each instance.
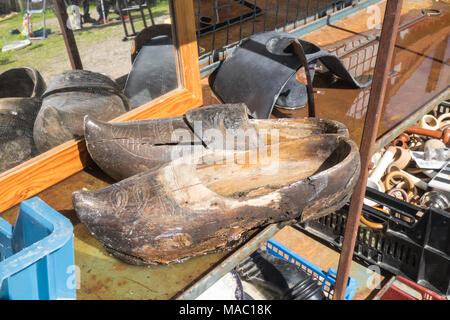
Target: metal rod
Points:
(69, 38)
(141, 10)
(130, 17)
(287, 15)
(125, 29)
(216, 21)
(296, 14)
(150, 13)
(228, 22)
(276, 14)
(266, 10)
(375, 106)
(240, 21)
(254, 17)
(45, 27)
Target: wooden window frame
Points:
(55, 165)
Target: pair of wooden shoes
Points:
(179, 198)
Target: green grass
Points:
(16, 23)
(45, 54)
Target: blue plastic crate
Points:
(325, 279)
(37, 254)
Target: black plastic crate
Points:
(414, 243)
(443, 107)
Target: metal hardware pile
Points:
(415, 167)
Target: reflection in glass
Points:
(154, 71)
(114, 81)
(69, 97)
(20, 89)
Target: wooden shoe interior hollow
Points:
(257, 172)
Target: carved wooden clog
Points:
(20, 91)
(127, 148)
(200, 203)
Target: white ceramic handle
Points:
(429, 122)
(384, 162)
(443, 117)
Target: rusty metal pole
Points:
(69, 38)
(375, 106)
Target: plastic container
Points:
(37, 255)
(399, 288)
(417, 249)
(325, 279)
(443, 107)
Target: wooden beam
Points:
(69, 38)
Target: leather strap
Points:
(298, 50)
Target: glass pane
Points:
(128, 56)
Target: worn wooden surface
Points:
(191, 206)
(123, 149)
(188, 51)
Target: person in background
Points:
(106, 6)
(86, 17)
